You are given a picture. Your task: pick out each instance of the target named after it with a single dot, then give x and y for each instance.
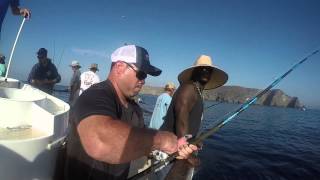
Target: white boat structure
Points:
(33, 125)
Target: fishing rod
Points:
(206, 134)
(14, 46)
(143, 109)
(54, 51)
(61, 57)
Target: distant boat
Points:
(33, 125)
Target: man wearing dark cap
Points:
(44, 75)
(106, 126)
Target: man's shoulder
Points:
(103, 86)
(186, 91)
(164, 95)
(36, 66)
(187, 85)
(99, 92)
(51, 64)
(77, 72)
(84, 73)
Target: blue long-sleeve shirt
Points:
(4, 5)
(160, 110)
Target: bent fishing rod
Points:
(211, 131)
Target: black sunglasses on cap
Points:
(139, 74)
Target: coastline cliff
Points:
(238, 94)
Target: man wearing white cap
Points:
(107, 128)
(74, 86)
(161, 107)
(89, 78)
(185, 113)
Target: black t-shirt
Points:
(99, 99)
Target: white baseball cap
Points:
(75, 63)
(136, 55)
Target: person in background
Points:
(89, 78)
(3, 69)
(107, 128)
(15, 9)
(161, 106)
(44, 75)
(74, 86)
(185, 113)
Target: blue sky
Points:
(254, 41)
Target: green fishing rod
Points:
(204, 135)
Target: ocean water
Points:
(260, 143)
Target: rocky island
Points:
(238, 94)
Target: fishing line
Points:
(61, 57)
(212, 105)
(14, 46)
(222, 122)
(54, 51)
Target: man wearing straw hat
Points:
(162, 106)
(89, 78)
(186, 109)
(74, 86)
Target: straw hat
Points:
(218, 77)
(170, 85)
(75, 64)
(94, 66)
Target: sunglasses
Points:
(206, 70)
(139, 74)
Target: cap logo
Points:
(147, 57)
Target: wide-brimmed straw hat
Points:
(75, 64)
(94, 66)
(170, 85)
(218, 77)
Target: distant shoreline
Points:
(238, 95)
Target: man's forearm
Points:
(116, 142)
(182, 126)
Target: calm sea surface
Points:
(260, 143)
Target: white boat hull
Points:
(32, 126)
